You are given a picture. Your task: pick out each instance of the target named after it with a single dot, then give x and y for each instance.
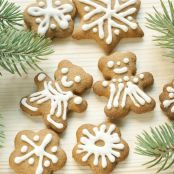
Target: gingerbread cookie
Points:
(122, 87)
(107, 21)
(100, 147)
(54, 99)
(37, 153)
(167, 100)
(52, 18)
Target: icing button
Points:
(141, 76)
(105, 84)
(57, 3)
(53, 26)
(41, 4)
(126, 78)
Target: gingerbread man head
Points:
(54, 99)
(118, 65)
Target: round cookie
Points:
(54, 99)
(37, 152)
(100, 147)
(51, 18)
(124, 89)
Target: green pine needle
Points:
(21, 49)
(2, 136)
(163, 22)
(10, 14)
(158, 145)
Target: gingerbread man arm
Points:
(145, 79)
(77, 104)
(26, 104)
(101, 88)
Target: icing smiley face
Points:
(119, 64)
(72, 77)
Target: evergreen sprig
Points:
(10, 14)
(158, 145)
(163, 22)
(19, 49)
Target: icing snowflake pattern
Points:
(110, 149)
(39, 151)
(58, 13)
(111, 14)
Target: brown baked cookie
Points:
(52, 18)
(167, 100)
(107, 21)
(100, 147)
(37, 153)
(54, 99)
(122, 87)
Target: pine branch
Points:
(10, 14)
(2, 136)
(21, 49)
(163, 22)
(158, 145)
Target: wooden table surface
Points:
(87, 54)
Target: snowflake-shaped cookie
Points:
(54, 99)
(52, 18)
(122, 87)
(167, 100)
(108, 21)
(101, 147)
(37, 152)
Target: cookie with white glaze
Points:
(167, 99)
(107, 22)
(51, 18)
(55, 98)
(122, 86)
(100, 147)
(37, 153)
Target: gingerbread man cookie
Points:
(52, 18)
(167, 99)
(107, 21)
(37, 153)
(122, 87)
(100, 147)
(54, 99)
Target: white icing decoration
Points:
(64, 70)
(39, 151)
(135, 79)
(126, 60)
(126, 78)
(41, 4)
(38, 20)
(47, 163)
(54, 149)
(114, 80)
(41, 77)
(110, 149)
(78, 100)
(168, 103)
(77, 79)
(24, 103)
(53, 26)
(36, 138)
(118, 63)
(58, 98)
(24, 149)
(117, 32)
(110, 14)
(86, 8)
(119, 94)
(130, 18)
(110, 64)
(57, 13)
(120, 80)
(31, 161)
(120, 70)
(57, 3)
(104, 84)
(141, 76)
(94, 30)
(65, 82)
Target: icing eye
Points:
(77, 79)
(110, 64)
(126, 60)
(64, 70)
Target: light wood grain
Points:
(86, 54)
